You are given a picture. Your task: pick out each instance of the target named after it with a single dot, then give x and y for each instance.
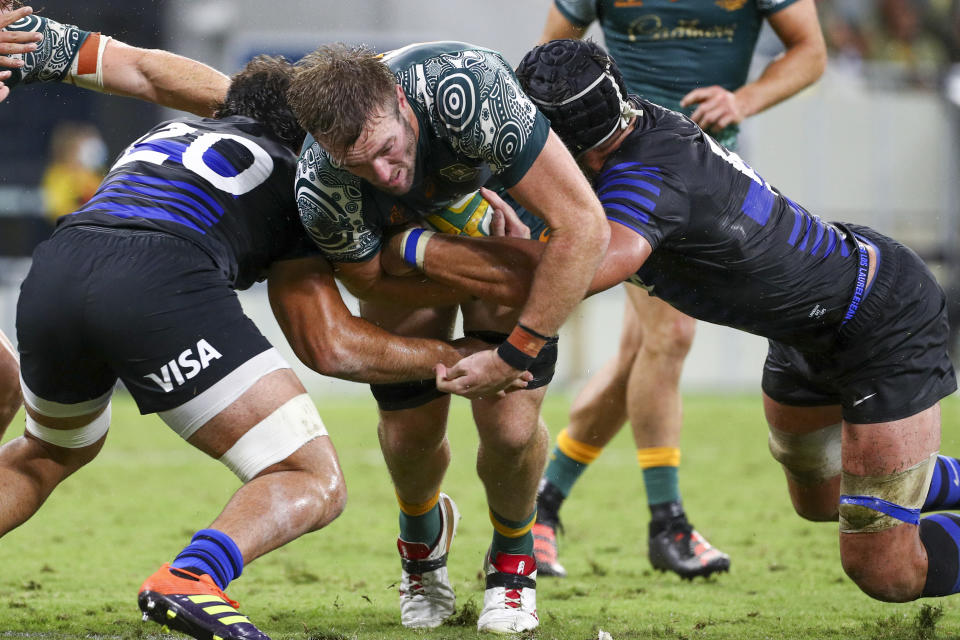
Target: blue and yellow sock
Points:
(569, 459)
(660, 473)
(944, 492)
(940, 535)
(512, 536)
(420, 522)
(212, 552)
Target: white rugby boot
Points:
(510, 601)
(426, 596)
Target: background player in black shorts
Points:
(856, 322)
(140, 285)
(38, 49)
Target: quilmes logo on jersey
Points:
(185, 366)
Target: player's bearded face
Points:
(386, 153)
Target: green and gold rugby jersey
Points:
(667, 48)
(477, 128)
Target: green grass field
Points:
(73, 571)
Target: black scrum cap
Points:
(577, 86)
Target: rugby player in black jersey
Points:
(669, 53)
(139, 285)
(856, 323)
(38, 49)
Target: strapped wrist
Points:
(521, 347)
(413, 246)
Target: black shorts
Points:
(148, 308)
(409, 395)
(889, 361)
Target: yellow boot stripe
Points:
(658, 457)
(574, 449)
(204, 598)
(219, 608)
(510, 532)
(233, 619)
(413, 509)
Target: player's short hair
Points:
(7, 5)
(337, 89)
(259, 91)
(578, 87)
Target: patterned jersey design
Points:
(51, 61)
(472, 99)
(728, 247)
(666, 48)
(476, 128)
(330, 203)
(222, 184)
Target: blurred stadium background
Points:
(874, 142)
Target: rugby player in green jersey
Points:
(691, 57)
(397, 138)
(37, 49)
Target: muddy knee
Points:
(883, 557)
(886, 569)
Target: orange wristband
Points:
(521, 347)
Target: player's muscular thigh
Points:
(266, 395)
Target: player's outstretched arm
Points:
(370, 282)
(800, 65)
(104, 64)
(329, 339)
(500, 269)
(162, 77)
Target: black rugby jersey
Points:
(224, 185)
(728, 247)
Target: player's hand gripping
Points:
(482, 375)
(716, 109)
(505, 221)
(14, 42)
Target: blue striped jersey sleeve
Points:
(637, 196)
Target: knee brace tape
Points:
(809, 458)
(875, 503)
(87, 68)
(292, 425)
(72, 438)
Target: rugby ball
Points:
(469, 216)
